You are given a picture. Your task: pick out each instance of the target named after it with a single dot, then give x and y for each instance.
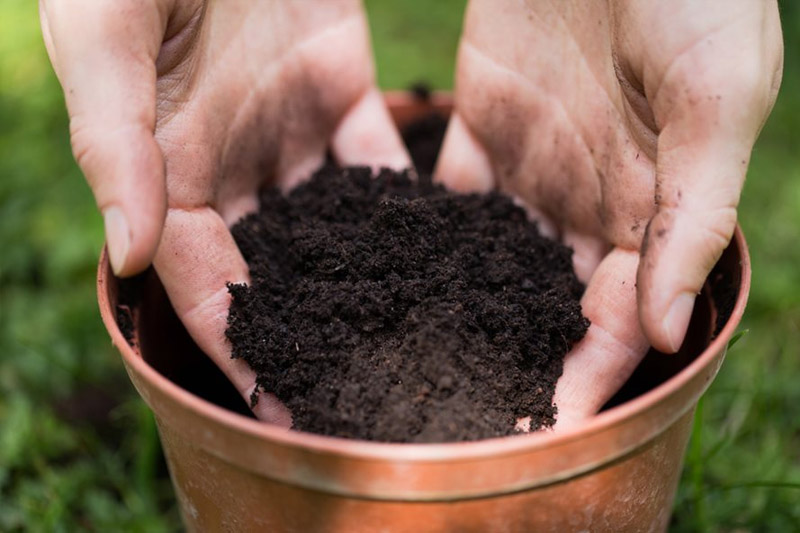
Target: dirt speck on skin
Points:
(392, 310)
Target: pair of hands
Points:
(626, 127)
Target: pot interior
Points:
(165, 345)
(145, 315)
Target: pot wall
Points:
(215, 495)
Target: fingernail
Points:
(676, 321)
(118, 237)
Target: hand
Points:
(181, 109)
(627, 128)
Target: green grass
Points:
(62, 469)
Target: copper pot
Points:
(617, 472)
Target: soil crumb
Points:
(389, 309)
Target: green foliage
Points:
(742, 471)
(63, 472)
(58, 472)
(415, 41)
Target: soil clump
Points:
(387, 308)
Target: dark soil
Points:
(424, 138)
(393, 310)
(724, 293)
(126, 324)
(128, 295)
(421, 90)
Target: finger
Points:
(600, 364)
(367, 136)
(680, 247)
(463, 165)
(587, 253)
(104, 55)
(697, 193)
(196, 259)
(710, 104)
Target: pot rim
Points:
(448, 452)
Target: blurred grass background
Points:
(78, 449)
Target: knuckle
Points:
(718, 231)
(84, 140)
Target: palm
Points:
(239, 104)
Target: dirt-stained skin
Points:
(626, 127)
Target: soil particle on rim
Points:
(386, 309)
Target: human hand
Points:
(180, 110)
(627, 128)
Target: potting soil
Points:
(424, 138)
(389, 309)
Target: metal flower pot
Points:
(617, 472)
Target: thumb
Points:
(712, 101)
(697, 191)
(104, 55)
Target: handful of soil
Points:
(390, 309)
